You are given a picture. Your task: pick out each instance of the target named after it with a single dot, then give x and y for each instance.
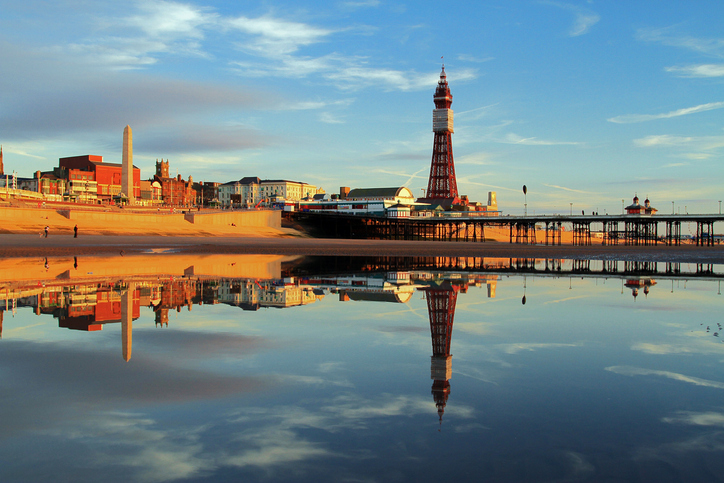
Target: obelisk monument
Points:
(127, 169)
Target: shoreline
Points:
(26, 246)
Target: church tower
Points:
(162, 168)
(442, 183)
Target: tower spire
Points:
(442, 183)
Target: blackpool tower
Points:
(442, 183)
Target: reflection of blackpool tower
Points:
(442, 183)
(441, 310)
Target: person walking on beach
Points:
(47, 228)
(75, 231)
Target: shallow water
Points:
(339, 372)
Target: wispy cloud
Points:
(566, 189)
(329, 118)
(700, 70)
(472, 58)
(362, 4)
(632, 118)
(713, 46)
(512, 138)
(665, 140)
(584, 18)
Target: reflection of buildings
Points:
(255, 294)
(640, 283)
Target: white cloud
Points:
(701, 70)
(472, 58)
(274, 37)
(584, 18)
(632, 118)
(563, 188)
(512, 138)
(171, 20)
(713, 47)
(703, 143)
(362, 4)
(329, 118)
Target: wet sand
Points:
(12, 245)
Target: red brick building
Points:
(107, 176)
(174, 191)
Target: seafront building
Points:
(251, 191)
(637, 209)
(174, 191)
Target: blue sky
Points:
(583, 102)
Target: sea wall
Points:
(267, 218)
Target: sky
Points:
(585, 103)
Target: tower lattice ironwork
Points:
(442, 183)
(441, 310)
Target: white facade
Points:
(253, 191)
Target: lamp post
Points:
(672, 207)
(622, 207)
(571, 208)
(720, 207)
(525, 205)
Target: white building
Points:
(250, 191)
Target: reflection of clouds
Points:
(348, 411)
(580, 466)
(678, 456)
(694, 346)
(52, 372)
(275, 446)
(567, 299)
(697, 419)
(476, 328)
(518, 347)
(202, 344)
(275, 437)
(660, 349)
(134, 447)
(311, 380)
(639, 371)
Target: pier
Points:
(470, 227)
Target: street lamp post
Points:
(525, 205)
(720, 207)
(571, 208)
(672, 207)
(622, 207)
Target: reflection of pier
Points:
(507, 266)
(467, 227)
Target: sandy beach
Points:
(23, 237)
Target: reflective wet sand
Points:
(65, 245)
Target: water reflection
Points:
(586, 380)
